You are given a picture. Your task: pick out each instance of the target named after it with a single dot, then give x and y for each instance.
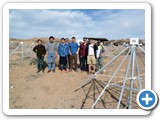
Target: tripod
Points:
(129, 85)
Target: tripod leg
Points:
(86, 96)
(100, 98)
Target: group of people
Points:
(89, 53)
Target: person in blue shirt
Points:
(63, 51)
(73, 51)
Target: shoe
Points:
(43, 70)
(54, 71)
(48, 71)
(38, 71)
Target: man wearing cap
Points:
(41, 51)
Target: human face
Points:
(51, 40)
(67, 40)
(90, 41)
(73, 40)
(63, 41)
(84, 40)
(39, 43)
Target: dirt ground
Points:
(31, 90)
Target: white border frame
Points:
(8, 6)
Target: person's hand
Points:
(77, 52)
(46, 55)
(56, 55)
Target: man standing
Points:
(73, 50)
(41, 51)
(91, 56)
(99, 52)
(51, 48)
(63, 50)
(82, 55)
(68, 57)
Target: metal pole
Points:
(110, 79)
(16, 49)
(86, 96)
(22, 55)
(138, 73)
(141, 48)
(94, 92)
(132, 76)
(124, 82)
(93, 76)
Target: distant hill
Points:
(34, 39)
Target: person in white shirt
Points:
(99, 53)
(91, 56)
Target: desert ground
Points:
(31, 90)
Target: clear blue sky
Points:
(107, 23)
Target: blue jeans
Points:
(40, 61)
(98, 63)
(51, 61)
(83, 63)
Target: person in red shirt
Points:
(82, 55)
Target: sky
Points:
(112, 24)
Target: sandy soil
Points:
(31, 90)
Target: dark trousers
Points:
(83, 63)
(68, 62)
(63, 63)
(40, 61)
(73, 58)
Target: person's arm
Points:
(77, 49)
(69, 49)
(59, 49)
(35, 49)
(56, 50)
(86, 50)
(44, 50)
(95, 47)
(46, 47)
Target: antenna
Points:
(118, 87)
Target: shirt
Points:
(91, 49)
(63, 49)
(98, 52)
(73, 47)
(40, 50)
(82, 51)
(51, 47)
